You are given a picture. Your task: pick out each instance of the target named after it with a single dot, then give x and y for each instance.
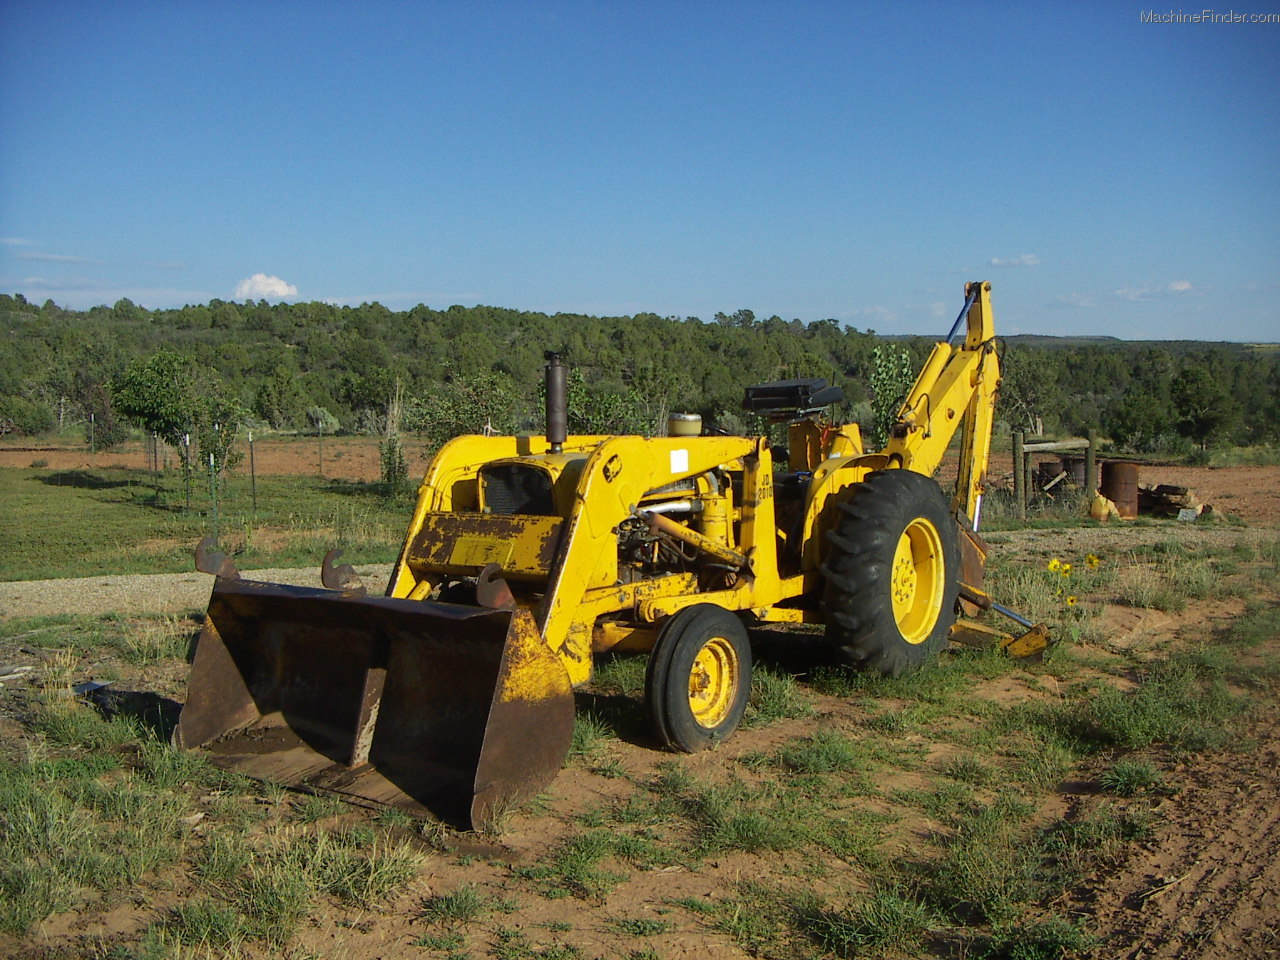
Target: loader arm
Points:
(583, 581)
(956, 388)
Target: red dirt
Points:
(344, 458)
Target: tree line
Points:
(210, 368)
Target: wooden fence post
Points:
(1019, 476)
(1091, 464)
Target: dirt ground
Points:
(1207, 884)
(1204, 884)
(339, 458)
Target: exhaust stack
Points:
(557, 401)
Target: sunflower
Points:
(1055, 565)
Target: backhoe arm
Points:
(956, 387)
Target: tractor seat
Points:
(788, 399)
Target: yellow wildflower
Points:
(1072, 600)
(1066, 569)
(1055, 565)
(1092, 561)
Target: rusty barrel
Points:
(1120, 486)
(453, 710)
(1074, 468)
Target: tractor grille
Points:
(513, 488)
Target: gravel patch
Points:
(148, 593)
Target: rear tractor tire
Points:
(892, 574)
(698, 678)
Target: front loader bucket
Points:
(457, 711)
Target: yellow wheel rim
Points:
(917, 580)
(713, 681)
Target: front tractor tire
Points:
(892, 574)
(698, 678)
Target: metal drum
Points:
(1120, 486)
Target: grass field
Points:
(69, 523)
(854, 816)
(918, 820)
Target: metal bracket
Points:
(342, 577)
(492, 591)
(211, 560)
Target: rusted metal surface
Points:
(1120, 486)
(210, 560)
(492, 591)
(451, 710)
(340, 577)
(1020, 645)
(462, 543)
(973, 566)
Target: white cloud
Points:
(1026, 260)
(261, 286)
(1174, 289)
(56, 258)
(1077, 300)
(1143, 294)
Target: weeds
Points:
(464, 905)
(775, 696)
(824, 752)
(1049, 938)
(312, 808)
(889, 916)
(639, 926)
(969, 769)
(1126, 778)
(620, 674)
(575, 868)
(101, 806)
(987, 869)
(590, 734)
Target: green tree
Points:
(604, 410)
(892, 374)
(485, 404)
(278, 399)
(1139, 420)
(322, 420)
(21, 415)
(182, 402)
(1029, 391)
(102, 428)
(1202, 405)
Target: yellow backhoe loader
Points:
(527, 556)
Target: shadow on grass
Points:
(84, 480)
(624, 716)
(157, 715)
(789, 650)
(372, 488)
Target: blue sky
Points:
(805, 159)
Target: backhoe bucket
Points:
(454, 710)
